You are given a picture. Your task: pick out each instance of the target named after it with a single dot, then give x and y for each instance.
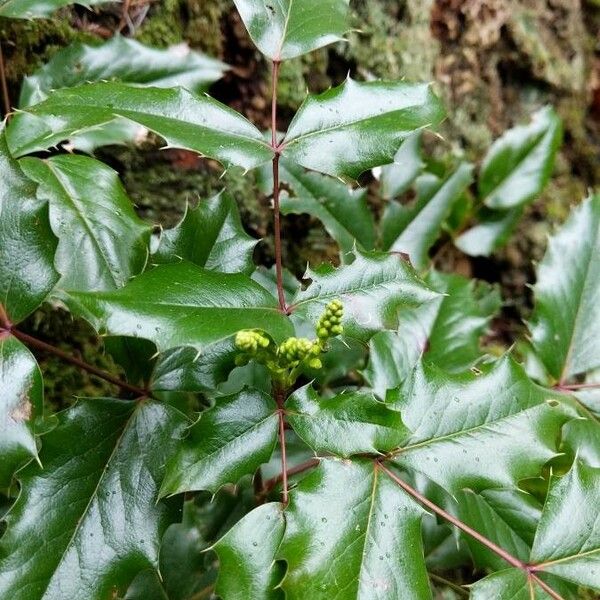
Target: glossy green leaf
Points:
(582, 438)
(343, 211)
(21, 401)
(374, 289)
(565, 325)
(183, 305)
(210, 235)
(351, 423)
(352, 533)
(230, 440)
(398, 176)
(125, 60)
(357, 126)
(102, 242)
(478, 431)
(283, 29)
(247, 556)
(413, 229)
(183, 119)
(520, 163)
(509, 584)
(30, 9)
(27, 244)
(446, 331)
(567, 543)
(88, 521)
(491, 233)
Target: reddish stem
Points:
(40, 345)
(570, 387)
(5, 95)
(276, 189)
(305, 466)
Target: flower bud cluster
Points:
(330, 323)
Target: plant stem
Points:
(40, 345)
(276, 189)
(571, 387)
(271, 483)
(5, 96)
(506, 556)
(443, 581)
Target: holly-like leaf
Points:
(351, 423)
(565, 325)
(446, 331)
(283, 29)
(230, 440)
(183, 305)
(21, 401)
(509, 584)
(88, 521)
(567, 542)
(343, 211)
(125, 60)
(478, 431)
(357, 126)
(520, 163)
(102, 242)
(582, 438)
(31, 9)
(373, 289)
(414, 229)
(182, 118)
(210, 235)
(398, 176)
(27, 244)
(493, 231)
(247, 556)
(352, 533)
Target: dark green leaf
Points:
(344, 212)
(397, 177)
(414, 229)
(374, 289)
(510, 584)
(182, 118)
(352, 533)
(520, 163)
(102, 242)
(283, 29)
(125, 60)
(183, 305)
(89, 521)
(582, 438)
(30, 9)
(21, 400)
(492, 232)
(565, 324)
(478, 431)
(357, 126)
(27, 244)
(247, 556)
(230, 440)
(446, 331)
(351, 423)
(567, 542)
(211, 236)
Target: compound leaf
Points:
(210, 235)
(346, 424)
(373, 289)
(565, 325)
(21, 401)
(102, 242)
(88, 521)
(27, 244)
(183, 119)
(352, 533)
(183, 305)
(230, 440)
(283, 29)
(357, 126)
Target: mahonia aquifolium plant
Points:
(286, 361)
(419, 462)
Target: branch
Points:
(40, 345)
(5, 95)
(506, 556)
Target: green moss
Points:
(163, 26)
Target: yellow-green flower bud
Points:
(250, 341)
(329, 324)
(315, 363)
